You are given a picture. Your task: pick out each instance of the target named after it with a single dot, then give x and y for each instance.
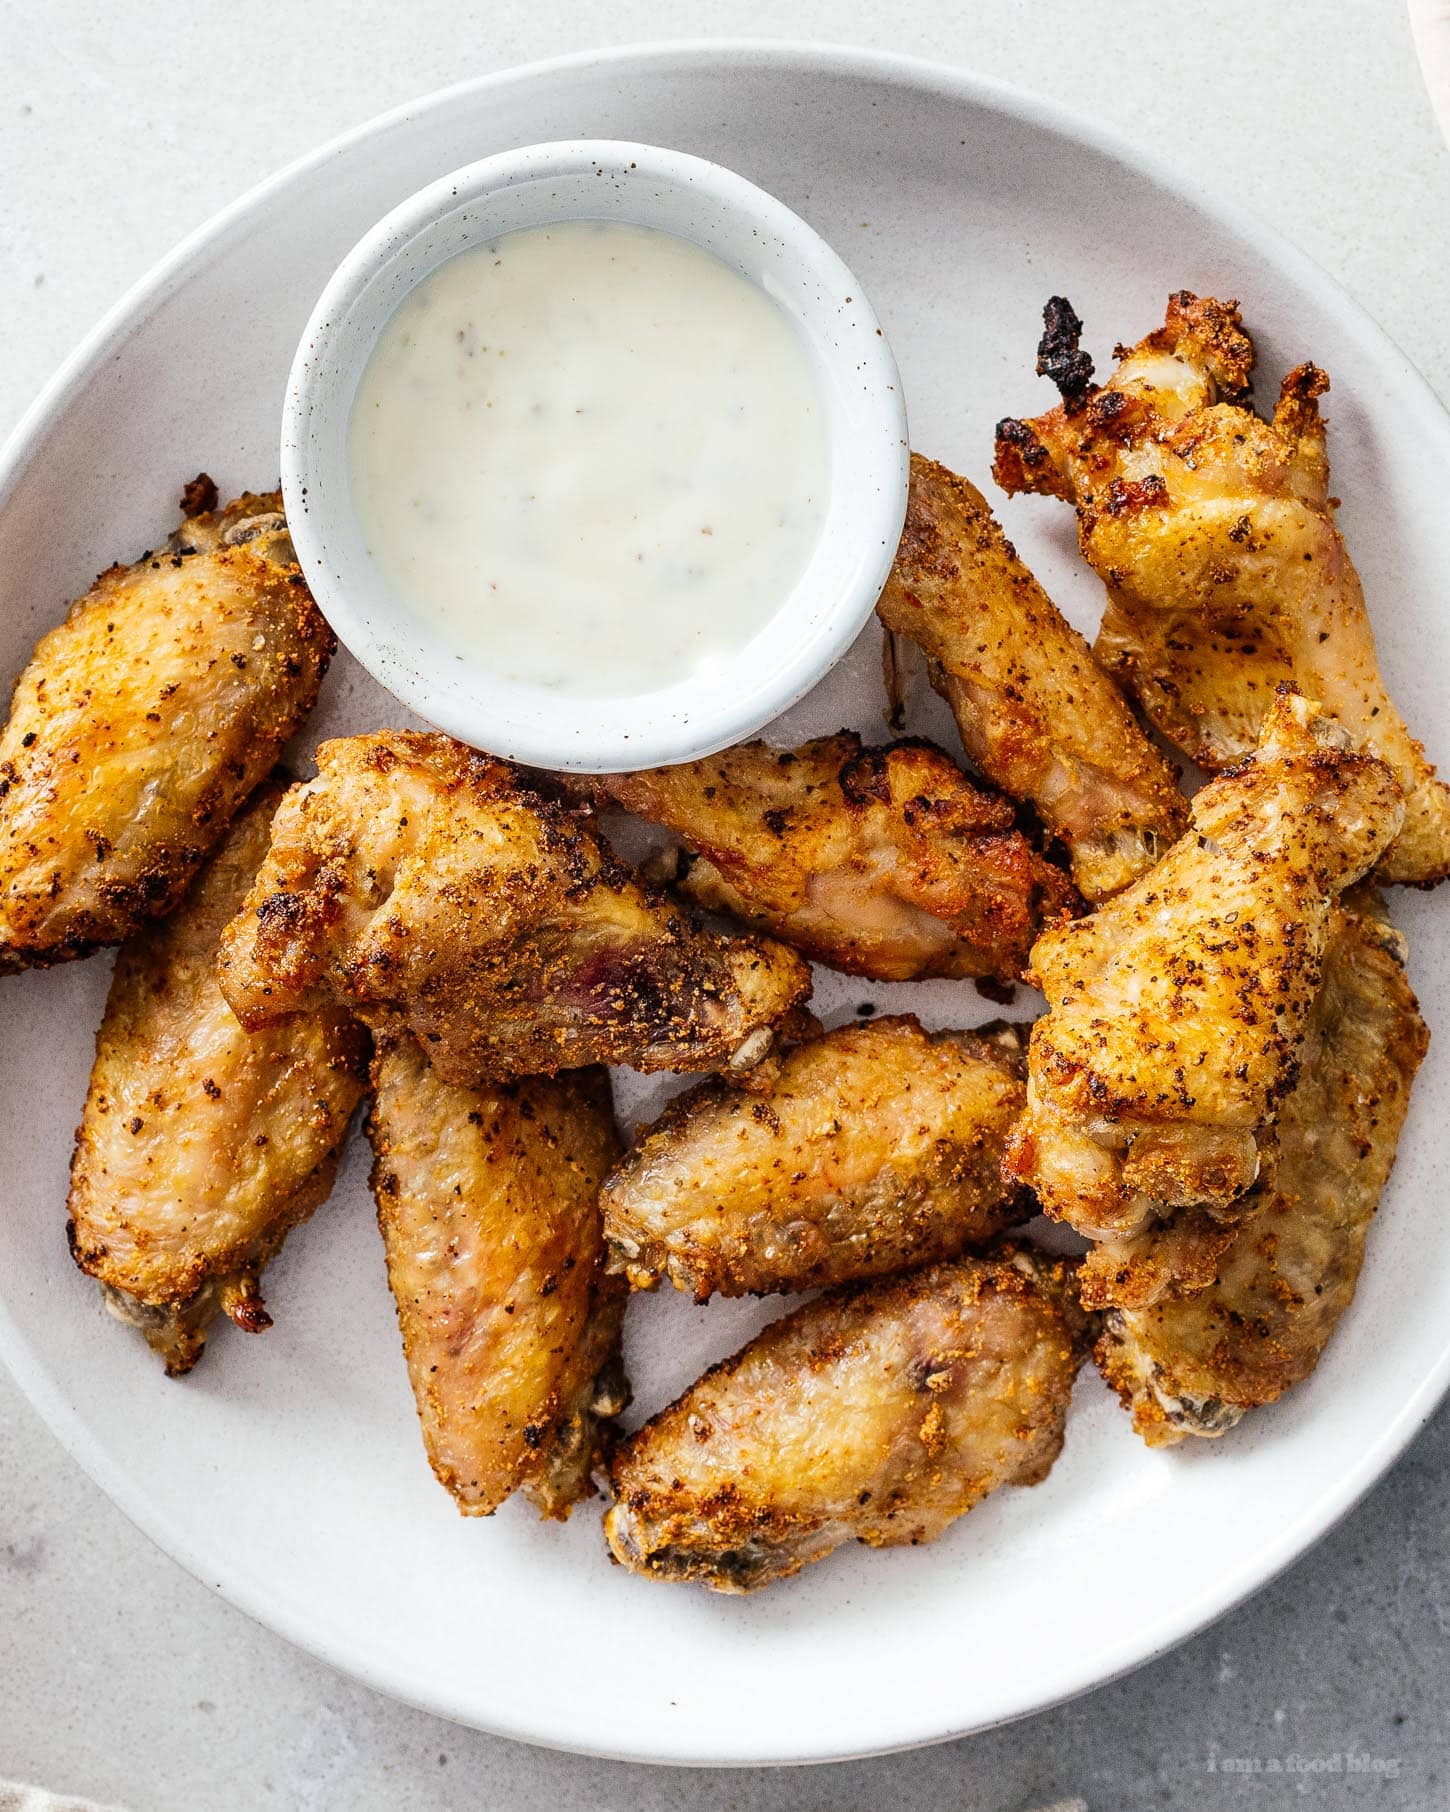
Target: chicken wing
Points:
(144, 721)
(425, 886)
(1037, 715)
(1177, 1010)
(878, 1413)
(1194, 1366)
(882, 862)
(874, 1147)
(201, 1147)
(1169, 1256)
(488, 1200)
(1214, 533)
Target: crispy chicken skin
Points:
(884, 862)
(144, 721)
(1037, 715)
(872, 1148)
(426, 886)
(880, 1413)
(1193, 1366)
(1177, 1010)
(488, 1200)
(1171, 1256)
(201, 1147)
(1214, 533)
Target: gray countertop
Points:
(122, 126)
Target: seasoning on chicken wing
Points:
(1177, 1010)
(882, 862)
(1171, 1256)
(201, 1147)
(144, 721)
(488, 1200)
(1194, 1366)
(426, 886)
(874, 1147)
(1037, 715)
(1214, 533)
(878, 1413)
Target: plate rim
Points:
(913, 73)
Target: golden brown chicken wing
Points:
(878, 1413)
(872, 1148)
(1214, 533)
(488, 1200)
(1177, 1010)
(1168, 1256)
(1194, 1366)
(882, 862)
(201, 1147)
(1036, 713)
(144, 721)
(425, 886)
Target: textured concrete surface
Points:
(124, 125)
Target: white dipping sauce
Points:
(591, 457)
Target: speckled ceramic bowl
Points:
(861, 398)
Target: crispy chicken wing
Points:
(488, 1200)
(1177, 1010)
(1194, 1366)
(426, 886)
(144, 721)
(1214, 533)
(880, 1413)
(882, 862)
(874, 1147)
(1036, 713)
(201, 1147)
(1169, 1256)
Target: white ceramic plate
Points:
(287, 1470)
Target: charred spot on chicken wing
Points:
(1214, 533)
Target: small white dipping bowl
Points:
(865, 419)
